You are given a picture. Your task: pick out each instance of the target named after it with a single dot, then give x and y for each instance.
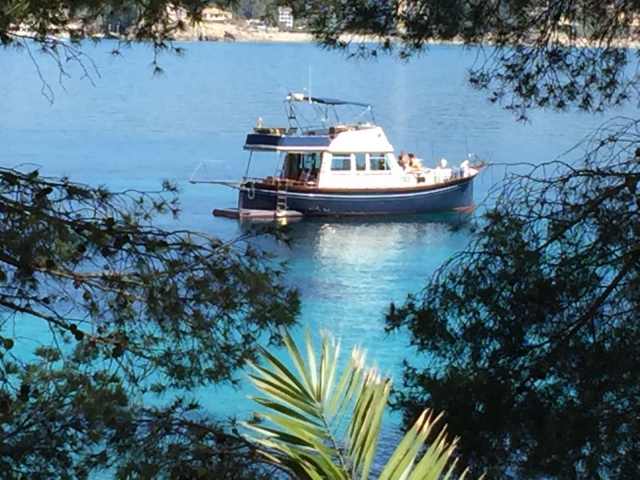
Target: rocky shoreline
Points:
(239, 33)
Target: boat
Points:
(332, 167)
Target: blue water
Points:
(132, 130)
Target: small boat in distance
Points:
(335, 168)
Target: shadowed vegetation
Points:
(122, 309)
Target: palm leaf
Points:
(321, 424)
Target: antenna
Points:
(309, 95)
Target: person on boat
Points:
(444, 173)
(464, 168)
(414, 162)
(403, 160)
(455, 172)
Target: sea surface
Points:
(126, 128)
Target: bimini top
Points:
(301, 97)
(324, 134)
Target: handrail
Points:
(203, 163)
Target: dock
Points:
(251, 214)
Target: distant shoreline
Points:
(244, 35)
(234, 32)
(238, 32)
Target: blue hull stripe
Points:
(357, 196)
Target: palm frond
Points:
(324, 425)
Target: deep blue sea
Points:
(131, 129)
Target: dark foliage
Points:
(530, 339)
(128, 310)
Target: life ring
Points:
(251, 190)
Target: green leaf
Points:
(301, 367)
(406, 452)
(285, 410)
(311, 366)
(280, 392)
(306, 419)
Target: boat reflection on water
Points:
(308, 233)
(348, 271)
(357, 258)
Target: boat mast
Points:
(309, 84)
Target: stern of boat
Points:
(250, 198)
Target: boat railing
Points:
(208, 170)
(336, 128)
(278, 181)
(272, 130)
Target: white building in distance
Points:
(285, 17)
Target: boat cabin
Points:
(357, 156)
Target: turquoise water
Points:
(131, 130)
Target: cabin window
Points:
(361, 162)
(378, 162)
(341, 163)
(311, 161)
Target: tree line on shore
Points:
(125, 19)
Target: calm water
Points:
(131, 130)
